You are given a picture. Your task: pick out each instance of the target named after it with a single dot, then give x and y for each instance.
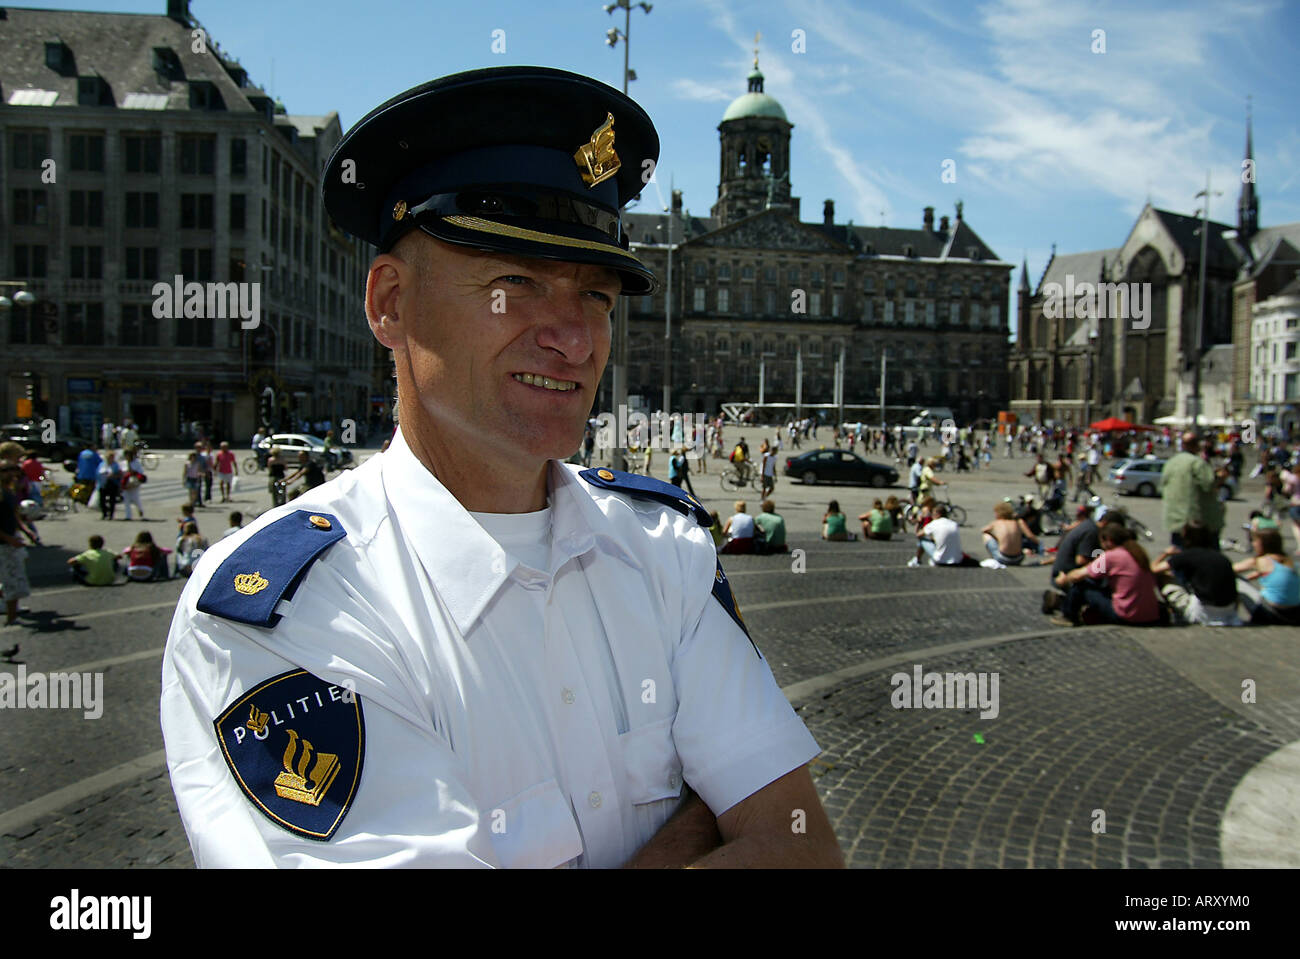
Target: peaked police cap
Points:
(531, 161)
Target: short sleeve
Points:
(734, 730)
(409, 808)
(1098, 566)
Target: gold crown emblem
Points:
(250, 583)
(596, 159)
(399, 210)
(257, 719)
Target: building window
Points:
(746, 272)
(698, 303)
(239, 157)
(816, 276)
(814, 347)
(868, 310)
(838, 276)
(84, 325)
(143, 153)
(994, 318)
(724, 300)
(701, 270)
(29, 261)
(889, 312)
(814, 304)
(769, 274)
(723, 345)
(141, 262)
(929, 313)
(198, 155)
(724, 271)
(909, 313)
(86, 263)
(837, 304)
(868, 284)
(86, 152)
(769, 299)
(746, 348)
(889, 286)
(139, 328)
(196, 211)
(792, 276)
(238, 210)
(196, 265)
(28, 149)
(955, 315)
(910, 286)
(86, 208)
(747, 301)
(30, 208)
(142, 210)
(974, 316)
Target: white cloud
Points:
(687, 89)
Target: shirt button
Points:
(674, 781)
(568, 697)
(594, 799)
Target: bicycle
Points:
(738, 477)
(148, 460)
(57, 498)
(956, 513)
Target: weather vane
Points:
(757, 36)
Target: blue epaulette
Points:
(267, 568)
(647, 487)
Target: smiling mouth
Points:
(545, 382)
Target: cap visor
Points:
(581, 246)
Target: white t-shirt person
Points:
(742, 527)
(947, 541)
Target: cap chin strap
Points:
(515, 201)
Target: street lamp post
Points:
(618, 373)
(1200, 302)
(668, 305)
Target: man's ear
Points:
(390, 276)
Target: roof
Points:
(1185, 231)
(1084, 267)
(653, 227)
(117, 47)
(754, 105)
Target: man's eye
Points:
(512, 280)
(603, 297)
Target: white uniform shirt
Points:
(514, 716)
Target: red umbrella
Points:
(1115, 425)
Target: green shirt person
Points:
(96, 566)
(773, 526)
(1190, 490)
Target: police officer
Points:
(466, 652)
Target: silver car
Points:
(1145, 476)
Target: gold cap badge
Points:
(399, 210)
(250, 583)
(596, 159)
(320, 522)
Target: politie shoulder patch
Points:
(295, 745)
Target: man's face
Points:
(487, 328)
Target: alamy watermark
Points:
(919, 690)
(84, 691)
(1118, 301)
(210, 301)
(659, 431)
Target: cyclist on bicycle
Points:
(740, 457)
(928, 479)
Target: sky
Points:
(1061, 119)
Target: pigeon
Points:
(8, 654)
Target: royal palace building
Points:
(134, 152)
(761, 299)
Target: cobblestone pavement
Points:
(1146, 728)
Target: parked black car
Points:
(839, 466)
(63, 447)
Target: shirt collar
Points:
(465, 564)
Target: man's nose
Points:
(567, 325)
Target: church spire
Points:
(1024, 275)
(1248, 203)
